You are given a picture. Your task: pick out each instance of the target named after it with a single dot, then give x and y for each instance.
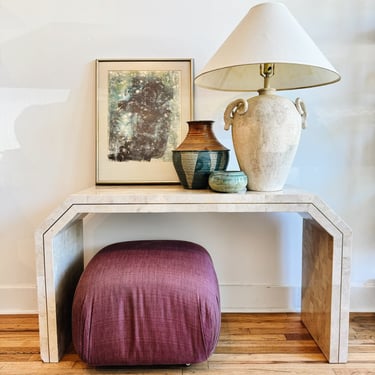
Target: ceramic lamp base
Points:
(266, 132)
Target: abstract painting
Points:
(142, 109)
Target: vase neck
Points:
(200, 136)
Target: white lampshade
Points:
(268, 34)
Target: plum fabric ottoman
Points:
(147, 303)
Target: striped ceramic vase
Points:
(198, 155)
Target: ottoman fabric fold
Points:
(147, 303)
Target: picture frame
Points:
(142, 109)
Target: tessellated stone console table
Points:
(326, 254)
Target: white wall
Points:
(47, 125)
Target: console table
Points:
(326, 254)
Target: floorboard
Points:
(272, 344)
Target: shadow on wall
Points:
(38, 174)
(47, 146)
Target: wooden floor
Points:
(249, 344)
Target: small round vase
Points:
(228, 181)
(198, 155)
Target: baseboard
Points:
(18, 299)
(22, 298)
(260, 298)
(276, 298)
(362, 298)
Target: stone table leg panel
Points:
(66, 260)
(317, 287)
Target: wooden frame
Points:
(141, 114)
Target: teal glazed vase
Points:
(198, 155)
(228, 181)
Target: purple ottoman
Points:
(147, 303)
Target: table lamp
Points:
(267, 51)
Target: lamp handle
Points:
(239, 106)
(301, 108)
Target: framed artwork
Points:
(141, 114)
